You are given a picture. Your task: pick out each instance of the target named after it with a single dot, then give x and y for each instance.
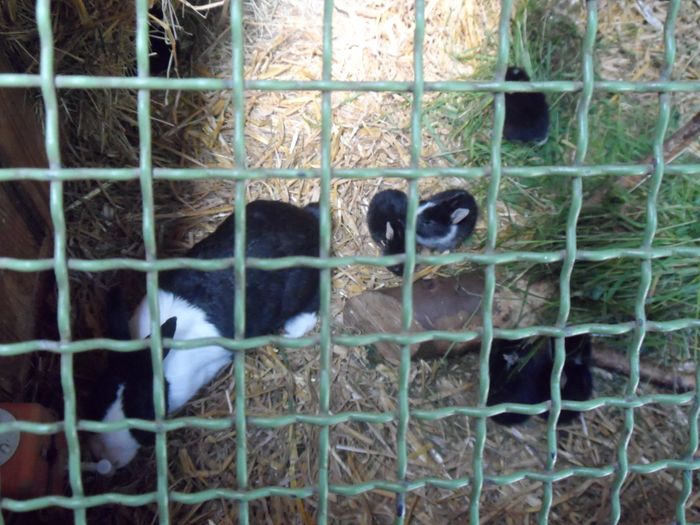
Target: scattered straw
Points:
(283, 41)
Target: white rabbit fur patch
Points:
(118, 446)
(300, 324)
(185, 370)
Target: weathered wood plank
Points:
(25, 232)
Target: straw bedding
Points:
(372, 41)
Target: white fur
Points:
(439, 243)
(435, 243)
(389, 231)
(423, 207)
(119, 447)
(186, 370)
(300, 324)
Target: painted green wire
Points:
(60, 266)
(150, 248)
(239, 310)
(496, 258)
(48, 82)
(345, 417)
(325, 342)
(687, 474)
(490, 270)
(404, 370)
(121, 174)
(569, 260)
(195, 498)
(646, 266)
(447, 86)
(11, 349)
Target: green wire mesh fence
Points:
(489, 258)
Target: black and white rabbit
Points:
(527, 114)
(521, 373)
(446, 219)
(386, 221)
(196, 304)
(125, 390)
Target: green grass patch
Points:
(621, 130)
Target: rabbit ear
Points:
(117, 318)
(389, 231)
(459, 215)
(167, 331)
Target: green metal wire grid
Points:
(49, 83)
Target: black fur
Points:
(436, 221)
(517, 382)
(314, 209)
(528, 381)
(160, 51)
(273, 230)
(527, 114)
(140, 376)
(577, 371)
(134, 368)
(389, 206)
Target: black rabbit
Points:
(521, 373)
(386, 221)
(576, 380)
(518, 370)
(527, 114)
(160, 57)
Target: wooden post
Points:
(25, 232)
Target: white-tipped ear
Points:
(389, 231)
(459, 214)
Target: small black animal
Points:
(160, 57)
(521, 373)
(386, 221)
(517, 372)
(577, 380)
(527, 114)
(446, 219)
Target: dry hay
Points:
(630, 48)
(283, 41)
(282, 381)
